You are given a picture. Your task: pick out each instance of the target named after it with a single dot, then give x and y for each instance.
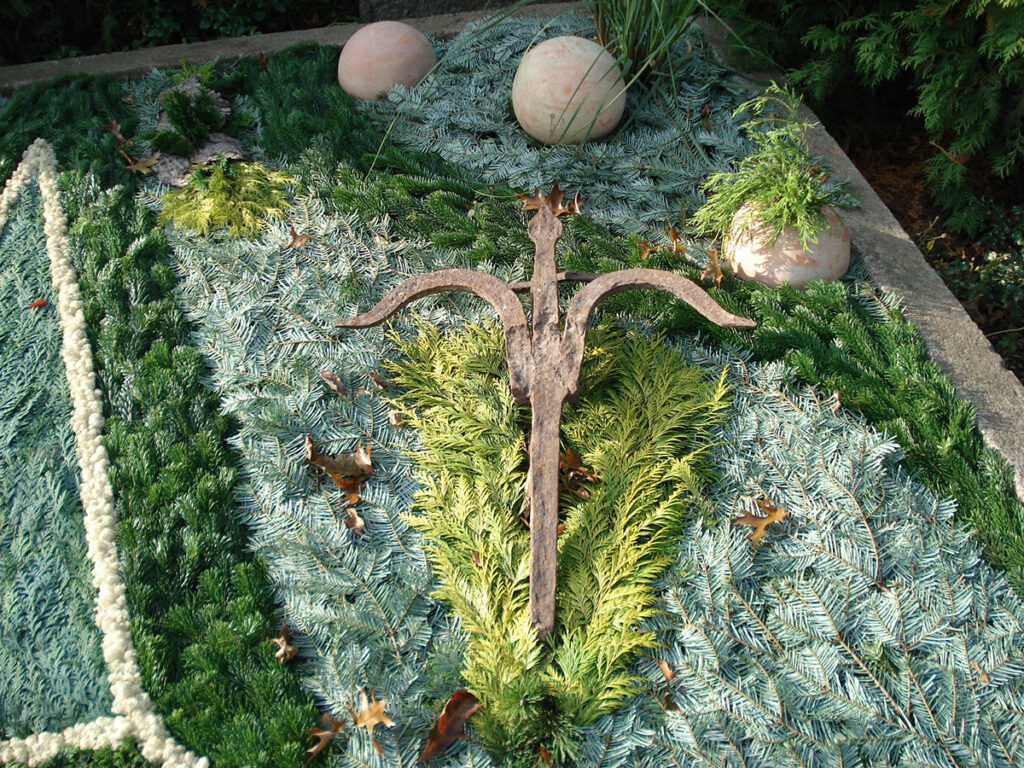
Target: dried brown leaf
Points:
(285, 652)
(330, 728)
(114, 127)
(348, 470)
(713, 269)
(141, 167)
(370, 712)
(450, 724)
(382, 384)
(771, 514)
(666, 670)
(396, 420)
(552, 200)
(297, 241)
(332, 381)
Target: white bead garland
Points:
(134, 712)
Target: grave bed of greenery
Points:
(208, 347)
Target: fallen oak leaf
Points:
(666, 671)
(673, 233)
(982, 674)
(370, 712)
(395, 420)
(114, 128)
(382, 384)
(298, 241)
(37, 304)
(353, 521)
(450, 724)
(348, 471)
(141, 167)
(552, 200)
(713, 269)
(325, 734)
(285, 652)
(772, 514)
(332, 381)
(573, 462)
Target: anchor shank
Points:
(543, 495)
(545, 229)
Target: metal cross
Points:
(544, 369)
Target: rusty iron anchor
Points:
(544, 367)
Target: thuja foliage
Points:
(963, 61)
(52, 673)
(200, 609)
(780, 181)
(191, 116)
(235, 195)
(642, 424)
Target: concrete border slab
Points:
(892, 258)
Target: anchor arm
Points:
(578, 277)
(487, 287)
(583, 303)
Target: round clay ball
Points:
(754, 256)
(382, 55)
(567, 90)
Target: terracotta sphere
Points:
(382, 55)
(754, 257)
(567, 90)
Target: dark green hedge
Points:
(962, 63)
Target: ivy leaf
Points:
(285, 652)
(348, 470)
(332, 381)
(772, 514)
(449, 725)
(329, 729)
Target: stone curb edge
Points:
(891, 257)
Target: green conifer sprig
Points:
(235, 195)
(52, 672)
(642, 423)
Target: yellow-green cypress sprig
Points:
(642, 423)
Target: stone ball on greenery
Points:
(754, 256)
(382, 55)
(567, 90)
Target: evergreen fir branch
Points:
(639, 180)
(173, 478)
(52, 673)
